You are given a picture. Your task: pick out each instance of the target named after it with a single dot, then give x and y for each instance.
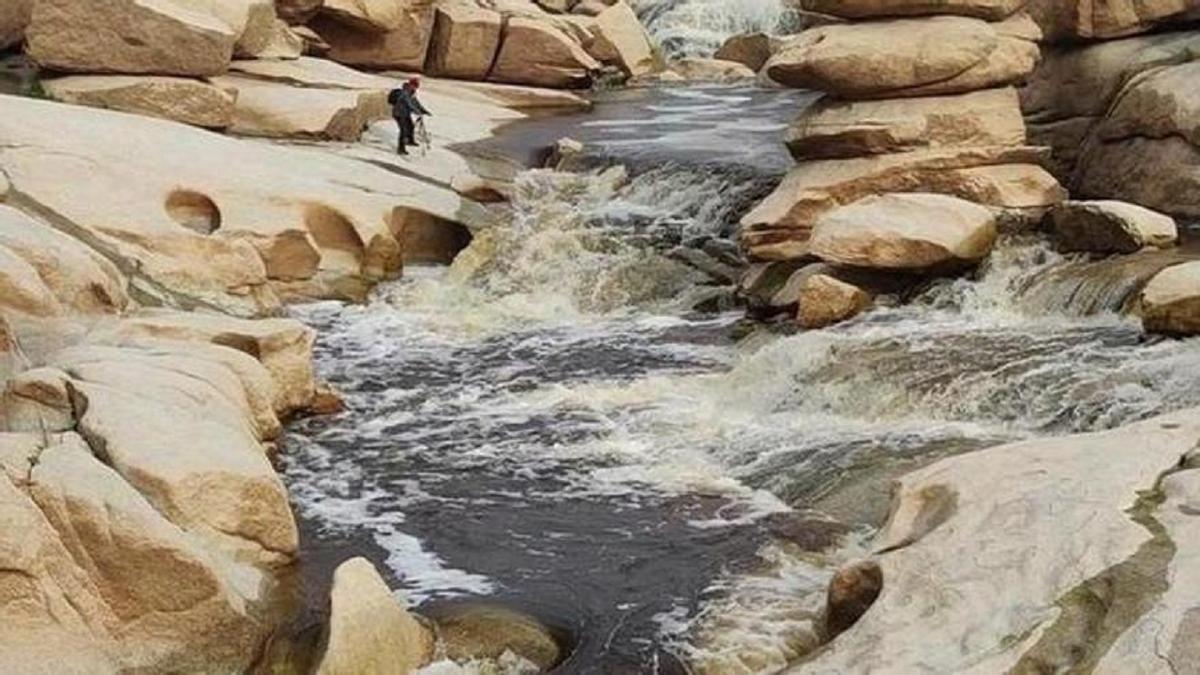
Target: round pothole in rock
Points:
(473, 632)
(194, 211)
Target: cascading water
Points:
(699, 27)
(547, 425)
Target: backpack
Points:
(393, 97)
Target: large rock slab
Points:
(172, 98)
(1105, 19)
(1110, 227)
(196, 458)
(1161, 174)
(128, 36)
(282, 111)
(402, 47)
(369, 630)
(538, 53)
(903, 57)
(95, 580)
(380, 16)
(1170, 303)
(221, 230)
(1163, 103)
(989, 10)
(1002, 177)
(1005, 560)
(832, 128)
(465, 41)
(905, 232)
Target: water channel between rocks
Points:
(547, 425)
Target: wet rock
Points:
(852, 591)
(717, 271)
(749, 49)
(14, 17)
(824, 300)
(326, 400)
(697, 69)
(128, 36)
(370, 631)
(465, 41)
(905, 232)
(173, 98)
(807, 531)
(483, 632)
(1110, 227)
(538, 53)
(833, 128)
(903, 57)
(763, 286)
(989, 10)
(1170, 303)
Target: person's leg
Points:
(400, 138)
(408, 130)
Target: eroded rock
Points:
(1110, 227)
(173, 98)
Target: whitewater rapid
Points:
(699, 27)
(547, 424)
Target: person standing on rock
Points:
(404, 106)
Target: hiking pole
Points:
(422, 135)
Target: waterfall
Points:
(699, 27)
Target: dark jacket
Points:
(405, 103)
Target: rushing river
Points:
(548, 425)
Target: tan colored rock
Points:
(697, 69)
(283, 346)
(1110, 227)
(196, 458)
(1000, 177)
(535, 52)
(989, 10)
(370, 631)
(173, 98)
(824, 301)
(206, 233)
(831, 128)
(77, 277)
(1170, 303)
(1163, 103)
(297, 12)
(14, 17)
(402, 48)
(999, 560)
(251, 21)
(619, 39)
(905, 232)
(903, 57)
(128, 36)
(281, 111)
(465, 41)
(1072, 19)
(316, 73)
(314, 45)
(284, 42)
(752, 50)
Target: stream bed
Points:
(548, 425)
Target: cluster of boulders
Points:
(918, 153)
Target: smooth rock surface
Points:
(620, 40)
(464, 43)
(989, 10)
(824, 300)
(537, 53)
(1170, 303)
(752, 50)
(369, 630)
(281, 111)
(905, 232)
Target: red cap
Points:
(415, 82)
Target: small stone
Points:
(852, 591)
(825, 301)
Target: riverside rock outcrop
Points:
(1005, 560)
(920, 98)
(1170, 302)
